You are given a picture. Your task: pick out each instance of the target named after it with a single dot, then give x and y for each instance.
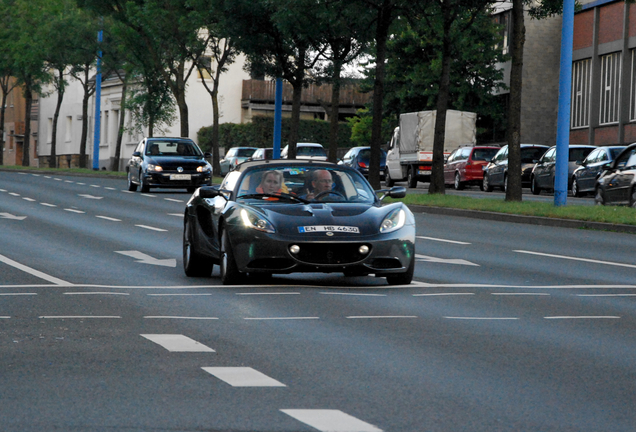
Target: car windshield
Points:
(244, 152)
(303, 184)
(614, 152)
(310, 151)
(578, 154)
(172, 148)
(531, 154)
(366, 154)
(484, 154)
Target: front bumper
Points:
(258, 252)
(163, 180)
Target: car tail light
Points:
(362, 165)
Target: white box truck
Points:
(410, 153)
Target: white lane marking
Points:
(167, 295)
(281, 318)
(443, 294)
(83, 184)
(149, 195)
(57, 179)
(269, 293)
(177, 343)
(110, 188)
(48, 205)
(520, 294)
(95, 186)
(152, 228)
(327, 420)
(142, 258)
(12, 217)
(128, 192)
(577, 259)
(444, 260)
(490, 286)
(14, 194)
(381, 317)
(79, 317)
(3, 190)
(443, 240)
(482, 318)
(109, 218)
(74, 211)
(36, 175)
(95, 293)
(5, 317)
(606, 295)
(353, 294)
(28, 199)
(18, 294)
(582, 317)
(243, 377)
(32, 271)
(90, 196)
(68, 181)
(174, 200)
(47, 177)
(176, 214)
(180, 317)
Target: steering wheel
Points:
(330, 192)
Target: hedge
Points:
(260, 133)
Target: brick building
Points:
(14, 128)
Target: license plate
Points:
(424, 172)
(180, 177)
(328, 228)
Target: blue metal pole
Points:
(278, 117)
(563, 119)
(98, 105)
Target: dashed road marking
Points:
(443, 240)
(108, 218)
(151, 228)
(177, 343)
(328, 420)
(577, 259)
(243, 377)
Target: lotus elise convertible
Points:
(287, 216)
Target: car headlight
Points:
(204, 169)
(155, 168)
(254, 221)
(393, 221)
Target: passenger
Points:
(271, 183)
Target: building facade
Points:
(14, 128)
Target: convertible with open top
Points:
(285, 216)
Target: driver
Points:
(321, 181)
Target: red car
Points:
(465, 166)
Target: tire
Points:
(131, 186)
(575, 188)
(230, 274)
(388, 181)
(599, 199)
(411, 180)
(143, 186)
(459, 185)
(403, 278)
(191, 189)
(485, 185)
(534, 188)
(194, 264)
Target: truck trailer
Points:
(410, 153)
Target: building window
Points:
(205, 66)
(580, 116)
(610, 91)
(69, 124)
(49, 130)
(503, 19)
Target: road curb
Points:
(531, 220)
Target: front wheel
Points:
(194, 264)
(411, 180)
(459, 185)
(230, 274)
(388, 181)
(534, 187)
(142, 183)
(486, 186)
(403, 278)
(575, 188)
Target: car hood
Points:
(170, 161)
(288, 218)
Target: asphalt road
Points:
(507, 327)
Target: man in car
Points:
(321, 181)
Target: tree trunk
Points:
(513, 192)
(83, 139)
(56, 116)
(335, 108)
(2, 113)
(26, 146)
(120, 130)
(216, 167)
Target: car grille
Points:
(330, 253)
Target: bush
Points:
(260, 133)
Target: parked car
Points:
(542, 176)
(496, 172)
(358, 158)
(617, 184)
(250, 225)
(235, 156)
(465, 166)
(584, 177)
(168, 163)
(262, 153)
(307, 151)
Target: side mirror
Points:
(394, 192)
(136, 154)
(209, 191)
(207, 155)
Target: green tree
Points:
(7, 84)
